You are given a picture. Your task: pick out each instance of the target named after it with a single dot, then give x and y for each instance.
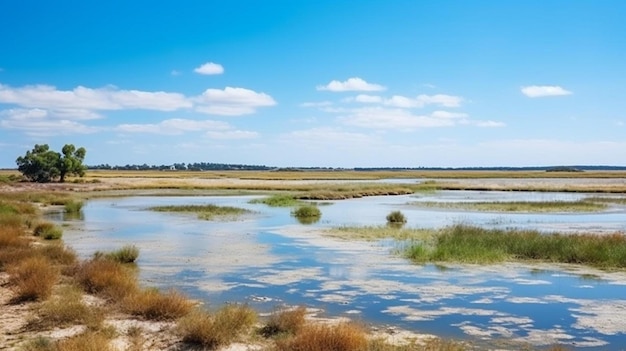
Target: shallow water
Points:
(267, 259)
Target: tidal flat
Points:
(268, 259)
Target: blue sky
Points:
(398, 83)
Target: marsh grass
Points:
(280, 200)
(33, 278)
(520, 206)
(73, 206)
(58, 253)
(107, 278)
(380, 232)
(605, 199)
(322, 337)
(125, 254)
(67, 308)
(307, 211)
(396, 217)
(88, 341)
(211, 331)
(155, 305)
(48, 231)
(463, 243)
(206, 212)
(286, 321)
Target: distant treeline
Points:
(208, 166)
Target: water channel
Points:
(268, 259)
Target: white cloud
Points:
(232, 101)
(46, 127)
(489, 124)
(316, 104)
(325, 136)
(82, 98)
(210, 68)
(408, 102)
(381, 118)
(448, 115)
(174, 126)
(232, 134)
(368, 99)
(535, 91)
(352, 84)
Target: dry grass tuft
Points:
(203, 329)
(67, 308)
(286, 321)
(321, 337)
(58, 253)
(154, 305)
(33, 278)
(89, 341)
(106, 278)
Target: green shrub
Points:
(307, 211)
(48, 231)
(396, 217)
(73, 206)
(127, 254)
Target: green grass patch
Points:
(380, 232)
(280, 200)
(126, 254)
(73, 206)
(207, 212)
(469, 244)
(48, 231)
(307, 214)
(607, 200)
(520, 206)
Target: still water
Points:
(268, 259)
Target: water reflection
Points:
(268, 258)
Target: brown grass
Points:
(107, 278)
(89, 341)
(58, 253)
(433, 344)
(154, 305)
(321, 337)
(33, 278)
(210, 331)
(67, 308)
(286, 321)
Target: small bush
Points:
(58, 253)
(127, 254)
(396, 217)
(287, 321)
(48, 231)
(307, 214)
(68, 308)
(107, 278)
(154, 305)
(33, 278)
(320, 337)
(200, 328)
(73, 206)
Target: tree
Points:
(43, 165)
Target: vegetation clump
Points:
(321, 337)
(126, 254)
(206, 212)
(280, 200)
(154, 305)
(521, 206)
(286, 321)
(33, 278)
(471, 244)
(307, 214)
(48, 231)
(396, 217)
(213, 330)
(107, 278)
(73, 206)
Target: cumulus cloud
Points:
(352, 84)
(82, 98)
(174, 126)
(209, 68)
(232, 101)
(534, 91)
(411, 102)
(383, 118)
(40, 126)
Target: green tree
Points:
(44, 165)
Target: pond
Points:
(268, 259)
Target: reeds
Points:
(206, 212)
